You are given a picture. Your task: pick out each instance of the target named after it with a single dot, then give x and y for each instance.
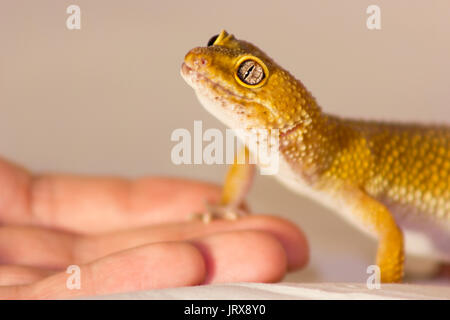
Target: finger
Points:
(228, 257)
(21, 275)
(161, 265)
(242, 256)
(54, 249)
(37, 247)
(290, 236)
(96, 204)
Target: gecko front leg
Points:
(376, 218)
(237, 183)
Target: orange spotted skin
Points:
(388, 178)
(401, 165)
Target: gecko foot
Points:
(214, 211)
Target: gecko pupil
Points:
(247, 73)
(250, 72)
(212, 40)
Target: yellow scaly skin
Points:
(384, 177)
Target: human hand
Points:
(129, 236)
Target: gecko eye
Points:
(250, 72)
(212, 40)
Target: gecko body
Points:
(392, 180)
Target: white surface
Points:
(249, 291)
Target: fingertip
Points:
(193, 264)
(242, 256)
(156, 266)
(273, 264)
(295, 243)
(292, 238)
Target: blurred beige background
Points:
(105, 99)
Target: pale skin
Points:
(129, 235)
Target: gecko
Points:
(389, 179)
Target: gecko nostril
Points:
(203, 62)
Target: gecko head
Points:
(243, 87)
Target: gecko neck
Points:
(311, 146)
